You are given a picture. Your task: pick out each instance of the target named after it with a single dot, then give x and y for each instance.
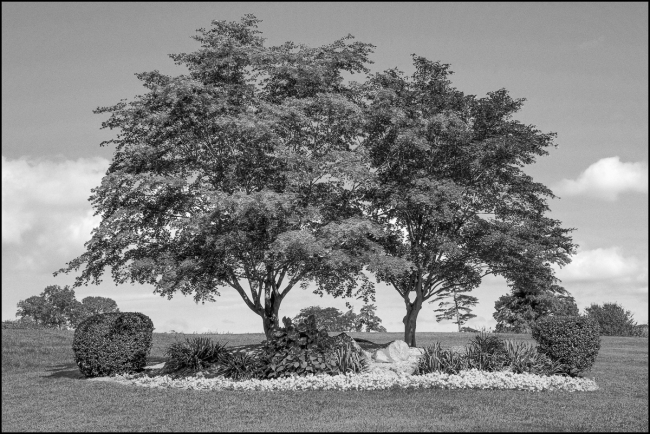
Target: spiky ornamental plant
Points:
(247, 169)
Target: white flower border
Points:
(470, 379)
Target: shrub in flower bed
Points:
(471, 379)
(292, 350)
(300, 349)
(488, 353)
(573, 341)
(240, 366)
(194, 355)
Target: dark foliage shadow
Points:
(67, 370)
(71, 370)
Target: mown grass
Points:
(42, 390)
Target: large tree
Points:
(613, 319)
(245, 169)
(519, 311)
(34, 307)
(97, 305)
(451, 194)
(367, 320)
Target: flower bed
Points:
(471, 379)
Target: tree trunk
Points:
(410, 321)
(270, 313)
(269, 324)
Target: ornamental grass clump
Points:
(436, 359)
(242, 366)
(193, 355)
(349, 360)
(524, 358)
(486, 352)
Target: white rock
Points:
(396, 351)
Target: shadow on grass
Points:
(70, 370)
(67, 370)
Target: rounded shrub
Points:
(573, 341)
(112, 343)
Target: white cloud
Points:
(604, 264)
(605, 275)
(49, 194)
(606, 179)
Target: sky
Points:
(582, 67)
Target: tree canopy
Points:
(245, 169)
(263, 165)
(451, 194)
(613, 319)
(455, 306)
(58, 307)
(519, 311)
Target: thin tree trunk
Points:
(270, 313)
(410, 321)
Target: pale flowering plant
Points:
(470, 379)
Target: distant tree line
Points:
(614, 320)
(519, 311)
(57, 307)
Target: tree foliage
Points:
(519, 311)
(367, 321)
(451, 194)
(613, 319)
(245, 169)
(97, 305)
(328, 318)
(333, 320)
(58, 307)
(262, 165)
(458, 306)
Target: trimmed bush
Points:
(112, 343)
(573, 341)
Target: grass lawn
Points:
(42, 390)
